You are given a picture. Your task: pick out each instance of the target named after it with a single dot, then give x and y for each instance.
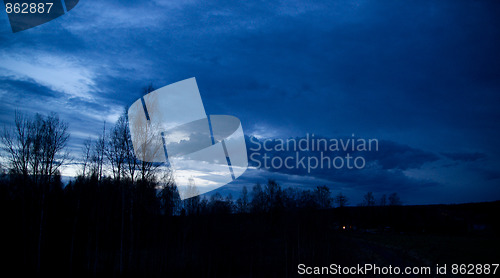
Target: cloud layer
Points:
(421, 76)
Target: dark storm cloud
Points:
(463, 156)
(26, 90)
(384, 167)
(388, 154)
(17, 95)
(357, 64)
(392, 155)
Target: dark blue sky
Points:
(421, 76)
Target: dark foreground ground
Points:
(253, 245)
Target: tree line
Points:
(116, 199)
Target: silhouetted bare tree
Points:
(131, 159)
(87, 155)
(36, 150)
(192, 199)
(323, 196)
(116, 149)
(394, 200)
(36, 146)
(98, 155)
(274, 196)
(368, 200)
(341, 200)
(258, 203)
(243, 204)
(17, 142)
(169, 195)
(383, 200)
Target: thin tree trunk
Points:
(122, 231)
(96, 251)
(73, 238)
(40, 232)
(25, 226)
(131, 231)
